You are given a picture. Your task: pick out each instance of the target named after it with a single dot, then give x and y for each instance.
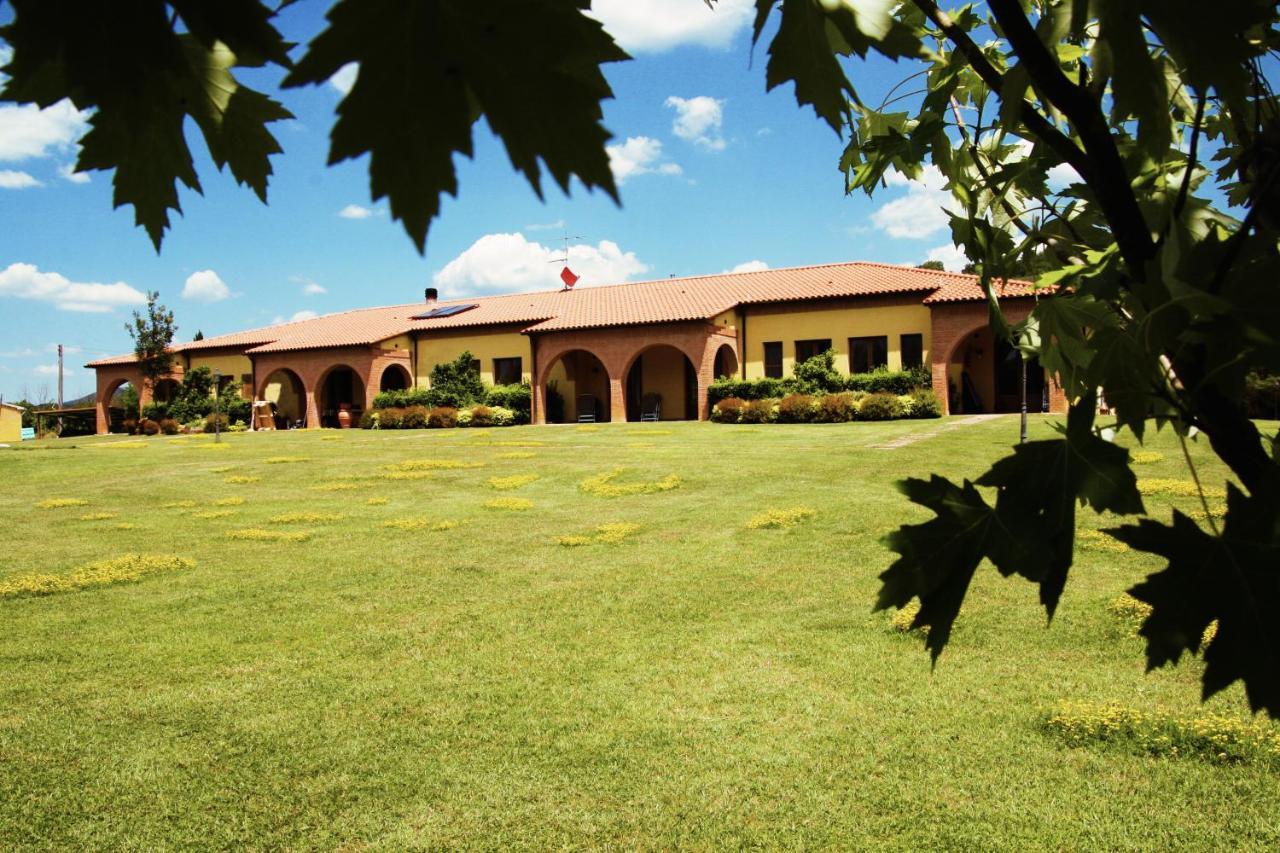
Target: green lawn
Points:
(696, 684)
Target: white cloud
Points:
(68, 172)
(749, 266)
(52, 370)
(506, 263)
(358, 211)
(546, 226)
(205, 286)
(698, 120)
(639, 155)
(28, 131)
(1060, 175)
(313, 289)
(952, 258)
(297, 316)
(920, 212)
(11, 180)
(657, 25)
(25, 281)
(345, 77)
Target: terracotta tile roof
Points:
(965, 288)
(638, 303)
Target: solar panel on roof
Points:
(446, 311)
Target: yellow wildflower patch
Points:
(518, 444)
(339, 486)
(603, 485)
(1214, 512)
(517, 454)
(285, 460)
(60, 503)
(640, 444)
(1096, 540)
(606, 534)
(240, 480)
(1128, 609)
(223, 469)
(509, 503)
(647, 431)
(213, 445)
(515, 481)
(235, 501)
(213, 513)
(178, 505)
(407, 475)
(306, 518)
(431, 465)
(126, 525)
(588, 428)
(420, 523)
(124, 445)
(1178, 488)
(257, 534)
(1145, 457)
(780, 519)
(331, 438)
(901, 621)
(128, 567)
(98, 516)
(1209, 737)
(376, 501)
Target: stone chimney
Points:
(432, 293)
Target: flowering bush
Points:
(413, 417)
(442, 417)
(836, 408)
(796, 409)
(880, 407)
(759, 412)
(169, 426)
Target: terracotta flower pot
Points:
(344, 416)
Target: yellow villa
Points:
(610, 347)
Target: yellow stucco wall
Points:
(10, 425)
(398, 342)
(286, 393)
(436, 349)
(839, 324)
(236, 366)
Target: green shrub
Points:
(925, 403)
(149, 427)
(455, 384)
(130, 426)
(728, 410)
(748, 389)
(880, 407)
(155, 411)
(759, 412)
(169, 426)
(818, 374)
(390, 418)
(442, 417)
(518, 399)
(481, 416)
(413, 417)
(836, 408)
(883, 380)
(403, 399)
(216, 422)
(1262, 395)
(369, 420)
(796, 409)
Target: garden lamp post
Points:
(218, 400)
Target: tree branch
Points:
(1105, 174)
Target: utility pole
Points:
(217, 406)
(59, 388)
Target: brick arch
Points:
(952, 323)
(618, 347)
(313, 365)
(260, 393)
(109, 380)
(390, 366)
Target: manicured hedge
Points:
(816, 382)
(829, 408)
(439, 417)
(515, 398)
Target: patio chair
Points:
(651, 407)
(586, 408)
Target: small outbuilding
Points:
(10, 423)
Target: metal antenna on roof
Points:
(566, 274)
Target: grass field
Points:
(689, 682)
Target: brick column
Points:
(313, 409)
(617, 399)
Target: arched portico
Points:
(726, 362)
(662, 384)
(285, 391)
(340, 388)
(617, 348)
(972, 371)
(395, 377)
(578, 388)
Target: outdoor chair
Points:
(586, 408)
(651, 407)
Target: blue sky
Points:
(714, 173)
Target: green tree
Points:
(931, 265)
(1091, 143)
(152, 333)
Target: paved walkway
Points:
(913, 437)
